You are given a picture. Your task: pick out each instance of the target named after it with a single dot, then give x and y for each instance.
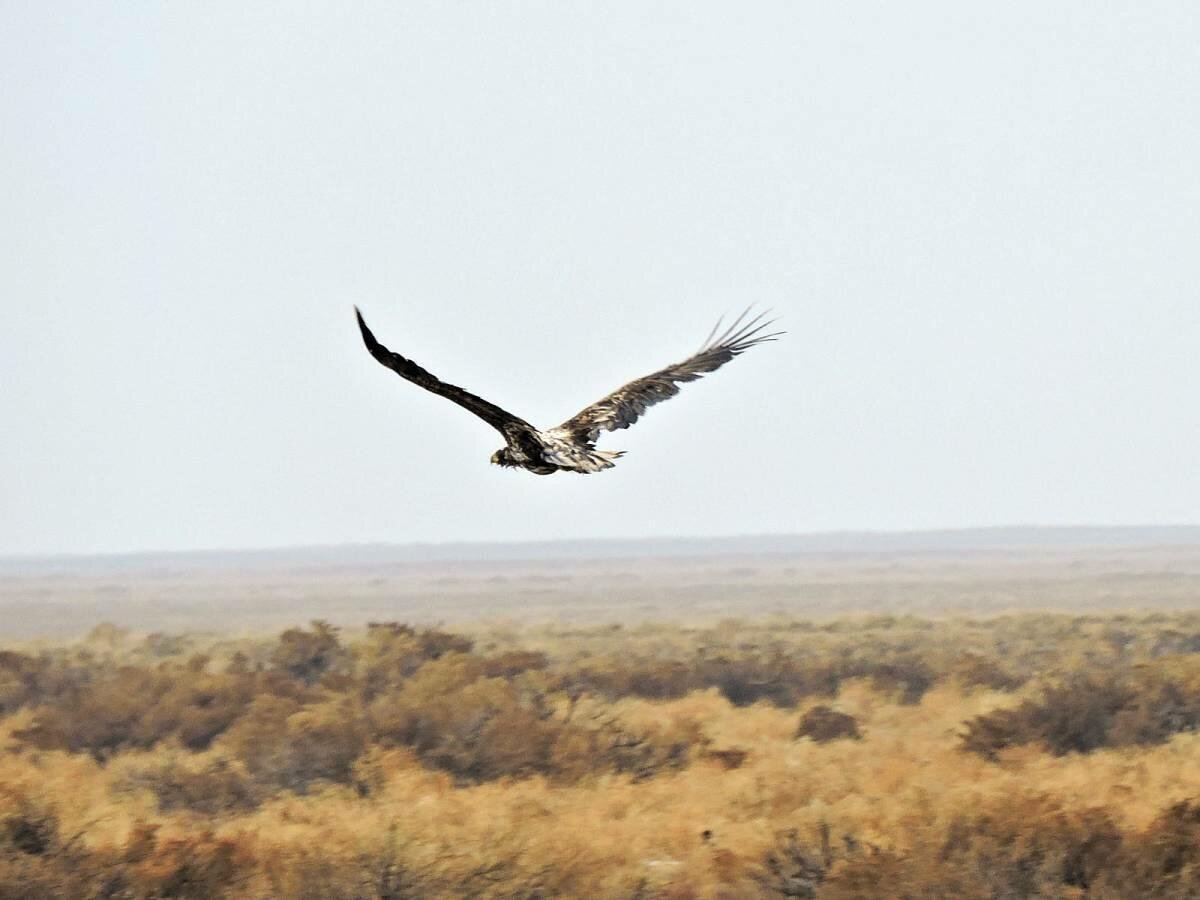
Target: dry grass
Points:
(750, 759)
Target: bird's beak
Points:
(496, 458)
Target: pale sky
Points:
(980, 224)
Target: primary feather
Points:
(626, 404)
(406, 368)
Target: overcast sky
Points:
(980, 224)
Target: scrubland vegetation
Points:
(1023, 756)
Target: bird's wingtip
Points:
(367, 336)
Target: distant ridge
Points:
(959, 540)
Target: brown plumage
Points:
(570, 447)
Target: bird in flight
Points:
(571, 446)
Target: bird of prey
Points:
(571, 446)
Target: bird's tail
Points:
(559, 450)
(599, 460)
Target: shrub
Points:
(30, 830)
(601, 742)
(823, 723)
(216, 787)
(27, 680)
(795, 867)
(286, 746)
(137, 708)
(513, 663)
(309, 655)
(1164, 860)
(392, 652)
(198, 865)
(457, 718)
(748, 677)
(1027, 847)
(1139, 706)
(728, 757)
(977, 670)
(474, 727)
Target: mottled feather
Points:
(624, 406)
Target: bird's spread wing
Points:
(622, 407)
(406, 368)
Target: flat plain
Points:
(985, 572)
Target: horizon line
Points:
(827, 535)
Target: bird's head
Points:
(501, 458)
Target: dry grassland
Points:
(1018, 756)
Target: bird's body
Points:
(547, 452)
(571, 446)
